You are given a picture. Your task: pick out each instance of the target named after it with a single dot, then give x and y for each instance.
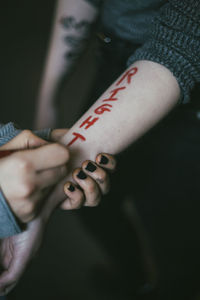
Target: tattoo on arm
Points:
(77, 36)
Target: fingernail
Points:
(81, 175)
(104, 160)
(71, 188)
(90, 167)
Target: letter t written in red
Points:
(77, 136)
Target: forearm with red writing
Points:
(144, 94)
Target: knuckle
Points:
(23, 165)
(29, 211)
(26, 189)
(63, 151)
(27, 133)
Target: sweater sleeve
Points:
(174, 41)
(8, 223)
(9, 131)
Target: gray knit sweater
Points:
(168, 31)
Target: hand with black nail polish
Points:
(91, 182)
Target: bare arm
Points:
(134, 103)
(70, 32)
(129, 108)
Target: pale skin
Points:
(25, 175)
(151, 94)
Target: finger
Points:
(57, 134)
(89, 187)
(45, 157)
(98, 174)
(50, 177)
(25, 140)
(7, 288)
(75, 196)
(106, 161)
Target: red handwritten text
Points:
(114, 93)
(105, 107)
(100, 110)
(77, 136)
(88, 122)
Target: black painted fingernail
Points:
(90, 167)
(104, 160)
(81, 175)
(71, 188)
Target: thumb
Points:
(25, 140)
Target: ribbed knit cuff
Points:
(175, 43)
(8, 132)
